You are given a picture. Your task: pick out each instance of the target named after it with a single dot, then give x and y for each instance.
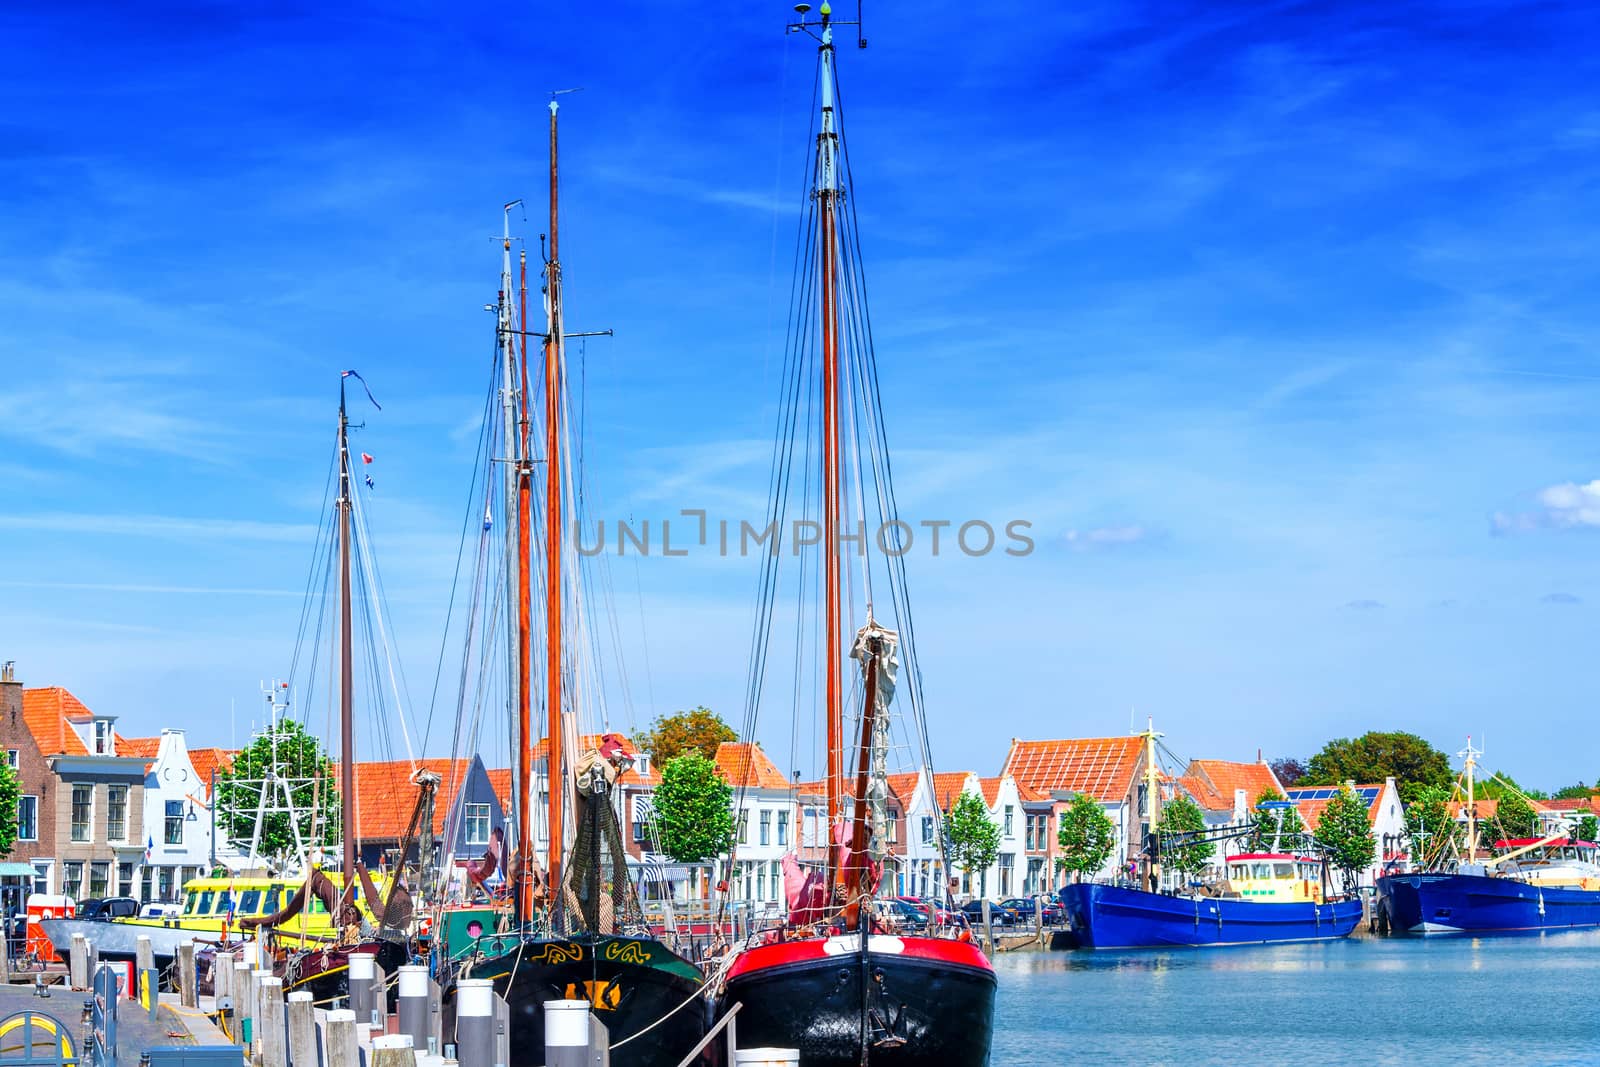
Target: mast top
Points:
(824, 23)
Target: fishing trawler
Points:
(1265, 898)
(830, 980)
(1513, 885)
(571, 927)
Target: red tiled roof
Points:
(744, 764)
(631, 776)
(47, 713)
(1027, 794)
(500, 781)
(1591, 803)
(1102, 767)
(902, 786)
(1212, 782)
(991, 790)
(386, 796)
(947, 786)
(206, 760)
(138, 746)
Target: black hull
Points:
(868, 1008)
(631, 983)
(325, 973)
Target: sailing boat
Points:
(577, 930)
(1536, 883)
(832, 982)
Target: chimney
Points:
(10, 695)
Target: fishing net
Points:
(598, 895)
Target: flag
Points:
(366, 457)
(149, 847)
(369, 482)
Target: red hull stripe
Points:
(932, 949)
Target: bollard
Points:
(380, 999)
(222, 984)
(188, 987)
(302, 1018)
(243, 1003)
(767, 1057)
(988, 926)
(78, 964)
(340, 1036)
(269, 1022)
(474, 1022)
(502, 1032)
(412, 1005)
(392, 1050)
(566, 1033)
(363, 967)
(250, 952)
(143, 955)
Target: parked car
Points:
(999, 914)
(1050, 909)
(932, 911)
(898, 914)
(104, 909)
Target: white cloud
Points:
(1104, 537)
(1560, 507)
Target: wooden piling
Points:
(988, 927)
(78, 962)
(302, 1017)
(221, 976)
(243, 1002)
(340, 1037)
(274, 1045)
(144, 957)
(1038, 919)
(392, 1050)
(188, 986)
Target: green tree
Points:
(1586, 829)
(1516, 817)
(693, 813)
(1288, 770)
(10, 791)
(1276, 827)
(1500, 784)
(697, 730)
(1178, 817)
(1429, 825)
(972, 839)
(288, 754)
(1573, 792)
(1377, 755)
(1087, 837)
(1345, 831)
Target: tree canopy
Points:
(693, 817)
(1376, 755)
(1574, 792)
(1179, 816)
(1087, 837)
(1344, 830)
(697, 730)
(287, 753)
(1586, 828)
(1429, 825)
(1276, 827)
(972, 839)
(10, 792)
(1288, 770)
(1516, 817)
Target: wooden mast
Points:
(524, 625)
(827, 203)
(552, 396)
(347, 754)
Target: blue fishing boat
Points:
(1272, 898)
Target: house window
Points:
(72, 878)
(477, 824)
(766, 831)
(927, 829)
(12, 758)
(103, 738)
(783, 828)
(82, 811)
(116, 813)
(174, 824)
(164, 883)
(894, 826)
(99, 878)
(761, 881)
(125, 878)
(1010, 828)
(639, 816)
(41, 876)
(744, 828)
(28, 818)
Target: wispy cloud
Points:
(1566, 599)
(1566, 506)
(160, 526)
(1098, 537)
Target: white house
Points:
(765, 827)
(1385, 813)
(177, 844)
(927, 799)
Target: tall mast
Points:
(524, 730)
(515, 562)
(552, 397)
(1152, 792)
(347, 730)
(1470, 757)
(827, 204)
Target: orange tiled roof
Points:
(386, 796)
(47, 713)
(1590, 803)
(138, 746)
(206, 760)
(1212, 782)
(1311, 810)
(902, 786)
(1027, 794)
(1102, 767)
(991, 790)
(744, 764)
(500, 782)
(631, 776)
(947, 786)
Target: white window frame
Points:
(126, 793)
(88, 823)
(476, 815)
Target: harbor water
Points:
(1368, 1000)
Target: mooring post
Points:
(412, 1004)
(243, 1003)
(188, 987)
(302, 1020)
(78, 963)
(380, 999)
(988, 926)
(359, 980)
(274, 1039)
(502, 1031)
(258, 976)
(222, 984)
(475, 1023)
(392, 1050)
(567, 1025)
(144, 956)
(1038, 918)
(340, 1037)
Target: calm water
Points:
(1503, 1000)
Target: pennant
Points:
(369, 482)
(366, 457)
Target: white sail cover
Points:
(888, 665)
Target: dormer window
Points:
(104, 738)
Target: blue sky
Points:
(1276, 321)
